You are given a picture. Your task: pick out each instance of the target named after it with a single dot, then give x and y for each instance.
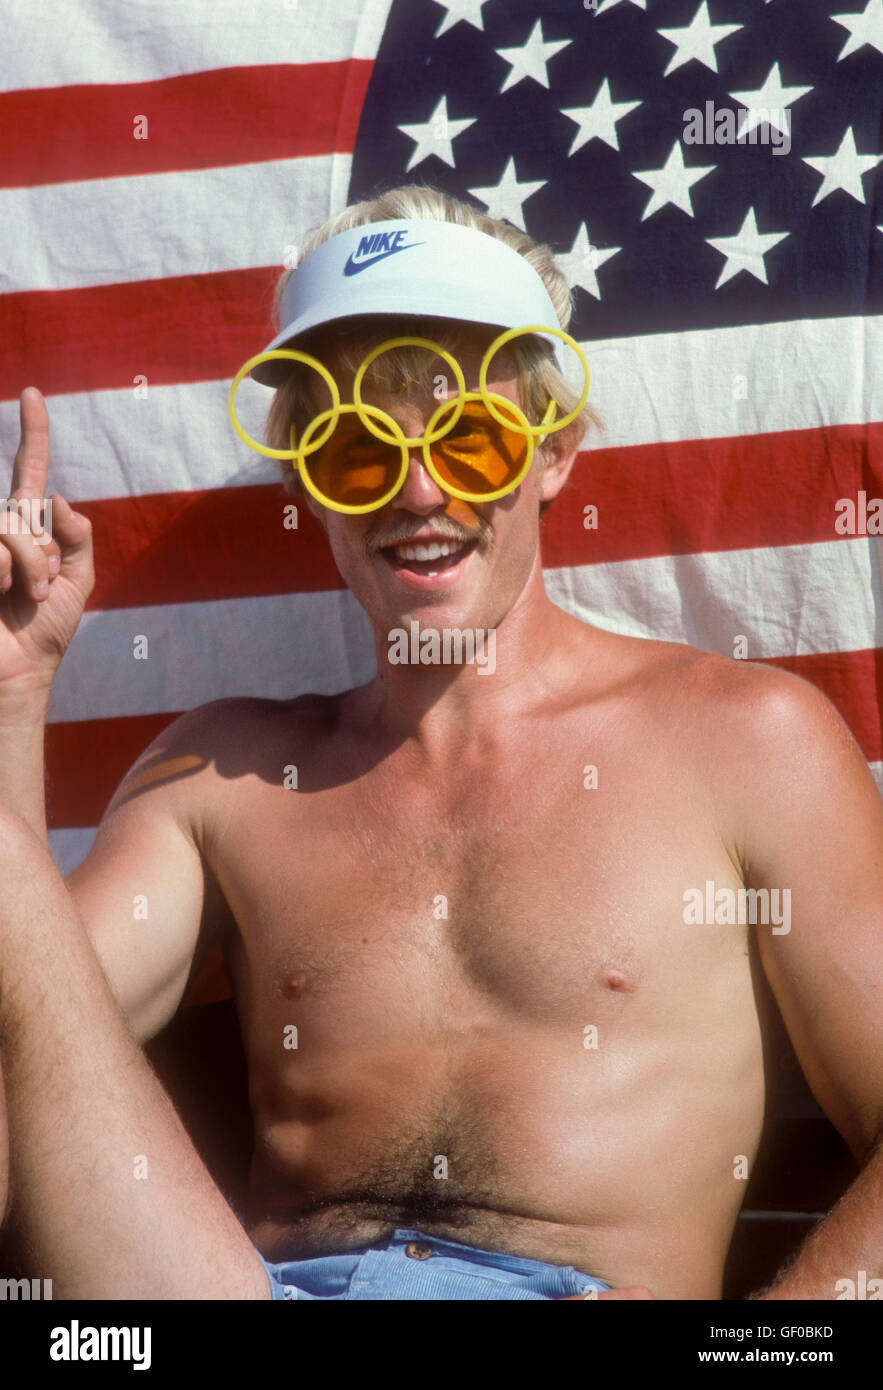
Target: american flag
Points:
(160, 161)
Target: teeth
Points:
(433, 551)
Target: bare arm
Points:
(109, 1196)
(814, 824)
(146, 898)
(145, 846)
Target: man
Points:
(495, 1050)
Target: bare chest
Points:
(532, 894)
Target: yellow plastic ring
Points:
(295, 357)
(304, 451)
(521, 429)
(543, 428)
(439, 351)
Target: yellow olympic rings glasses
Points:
(354, 458)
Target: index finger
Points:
(30, 466)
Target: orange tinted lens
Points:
(479, 454)
(354, 467)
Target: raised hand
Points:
(45, 579)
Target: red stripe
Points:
(87, 759)
(202, 120)
(185, 547)
(712, 494)
(185, 328)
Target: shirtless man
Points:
(512, 1040)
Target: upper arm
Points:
(812, 823)
(143, 891)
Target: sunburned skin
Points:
(469, 998)
(505, 1032)
(463, 1037)
(475, 996)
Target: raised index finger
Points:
(30, 467)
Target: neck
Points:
(443, 707)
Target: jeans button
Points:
(416, 1250)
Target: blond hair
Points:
(402, 368)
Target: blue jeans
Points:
(411, 1265)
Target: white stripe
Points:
(105, 231)
(785, 600)
(274, 647)
(782, 600)
(70, 847)
(115, 444)
(725, 382)
(72, 41)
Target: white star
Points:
(580, 263)
(435, 136)
(608, 4)
(598, 121)
(672, 183)
(698, 40)
(531, 58)
(866, 27)
(843, 169)
(745, 250)
(503, 198)
(768, 103)
(469, 10)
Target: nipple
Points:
(611, 977)
(295, 984)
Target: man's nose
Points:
(419, 492)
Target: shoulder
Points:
(743, 706)
(767, 752)
(222, 741)
(748, 719)
(774, 753)
(763, 715)
(219, 720)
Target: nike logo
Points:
(372, 249)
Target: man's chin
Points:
(396, 594)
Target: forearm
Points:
(22, 753)
(108, 1193)
(849, 1240)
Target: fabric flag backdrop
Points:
(160, 161)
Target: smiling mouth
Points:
(427, 558)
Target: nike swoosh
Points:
(351, 268)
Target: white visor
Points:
(410, 266)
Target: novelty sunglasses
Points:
(354, 458)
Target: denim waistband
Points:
(411, 1265)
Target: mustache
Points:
(443, 527)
